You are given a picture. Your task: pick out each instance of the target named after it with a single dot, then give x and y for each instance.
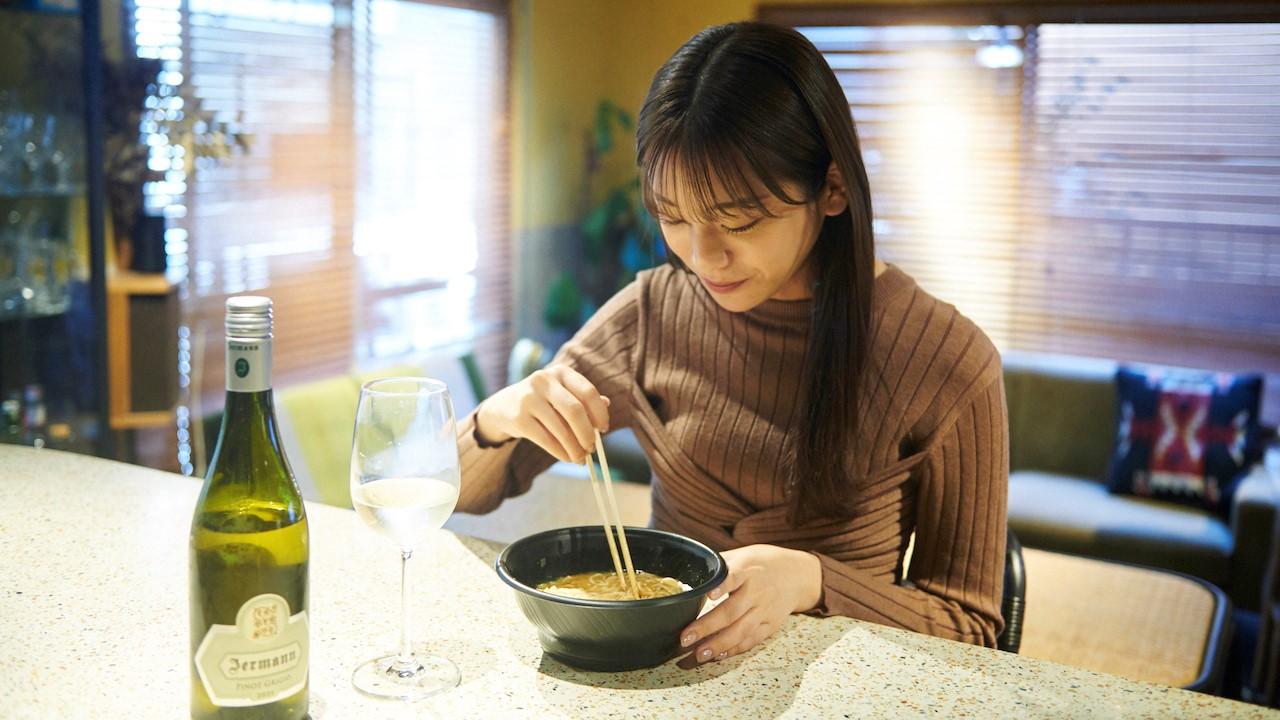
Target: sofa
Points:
(1062, 428)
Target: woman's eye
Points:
(744, 228)
(670, 221)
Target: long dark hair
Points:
(750, 100)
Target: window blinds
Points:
(375, 183)
(1107, 189)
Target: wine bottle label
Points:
(248, 365)
(260, 659)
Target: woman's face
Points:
(745, 257)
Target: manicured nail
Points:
(688, 639)
(714, 594)
(722, 655)
(606, 400)
(705, 654)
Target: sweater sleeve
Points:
(603, 352)
(956, 577)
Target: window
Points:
(431, 198)
(1079, 183)
(375, 183)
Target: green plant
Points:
(616, 235)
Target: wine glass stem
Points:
(406, 649)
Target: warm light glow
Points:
(952, 184)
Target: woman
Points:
(805, 408)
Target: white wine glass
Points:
(404, 485)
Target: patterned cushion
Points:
(1184, 436)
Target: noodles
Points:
(608, 586)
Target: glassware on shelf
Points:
(40, 153)
(8, 140)
(63, 164)
(14, 128)
(33, 414)
(49, 267)
(35, 272)
(35, 267)
(11, 419)
(49, 342)
(11, 283)
(33, 148)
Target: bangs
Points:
(715, 179)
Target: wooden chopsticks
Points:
(616, 521)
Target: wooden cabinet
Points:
(141, 349)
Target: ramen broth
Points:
(607, 586)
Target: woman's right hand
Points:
(556, 408)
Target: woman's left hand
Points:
(766, 583)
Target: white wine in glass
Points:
(404, 485)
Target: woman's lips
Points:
(720, 287)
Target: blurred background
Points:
(448, 188)
(411, 179)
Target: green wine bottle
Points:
(249, 548)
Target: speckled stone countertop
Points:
(93, 624)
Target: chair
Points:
(1141, 623)
(316, 418)
(1013, 603)
(1013, 606)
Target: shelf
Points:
(40, 193)
(128, 282)
(27, 315)
(121, 286)
(44, 7)
(138, 420)
(74, 434)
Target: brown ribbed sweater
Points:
(712, 397)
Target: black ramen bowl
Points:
(609, 635)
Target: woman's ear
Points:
(834, 198)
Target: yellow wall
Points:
(558, 47)
(567, 55)
(570, 54)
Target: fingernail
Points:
(688, 639)
(607, 401)
(714, 594)
(722, 655)
(705, 654)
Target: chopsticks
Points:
(616, 520)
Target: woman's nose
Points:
(708, 248)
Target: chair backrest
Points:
(316, 419)
(1013, 606)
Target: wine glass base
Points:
(386, 678)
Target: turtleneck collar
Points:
(792, 313)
